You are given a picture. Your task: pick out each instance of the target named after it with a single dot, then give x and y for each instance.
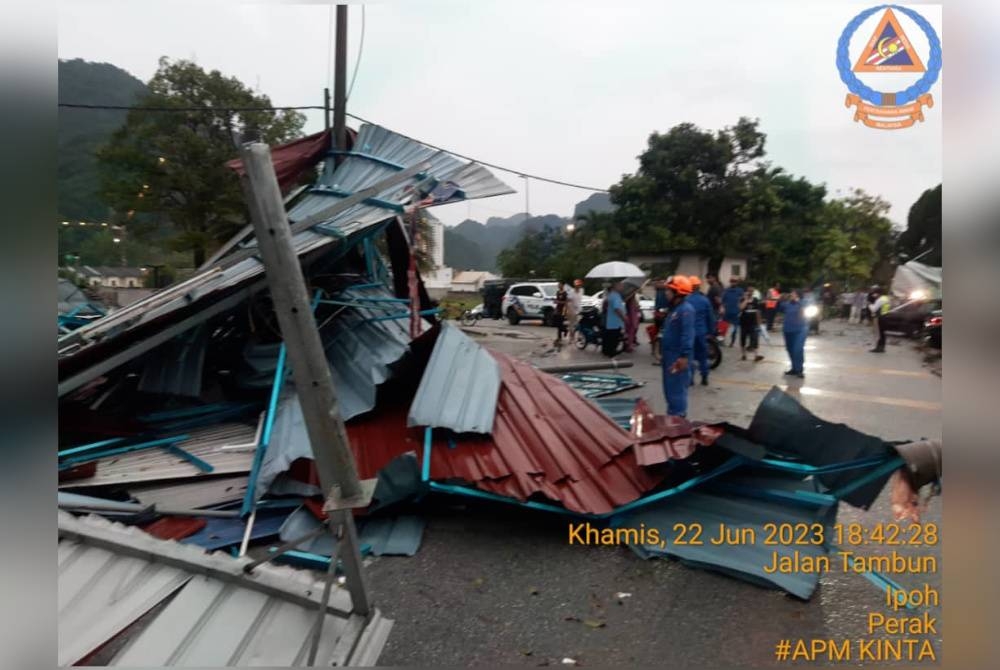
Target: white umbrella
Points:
(615, 270)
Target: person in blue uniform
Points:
(731, 299)
(704, 327)
(677, 345)
(795, 329)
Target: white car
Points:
(646, 306)
(535, 300)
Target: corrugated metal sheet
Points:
(175, 368)
(619, 409)
(300, 523)
(174, 527)
(592, 385)
(110, 575)
(661, 438)
(547, 439)
(744, 559)
(192, 495)
(219, 533)
(385, 535)
(157, 464)
(361, 348)
(100, 593)
(460, 386)
(393, 536)
(354, 174)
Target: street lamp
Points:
(116, 240)
(570, 227)
(853, 247)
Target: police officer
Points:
(677, 344)
(704, 327)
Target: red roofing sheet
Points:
(547, 440)
(175, 527)
(292, 159)
(660, 438)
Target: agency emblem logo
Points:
(889, 51)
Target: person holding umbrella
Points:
(677, 345)
(615, 316)
(614, 319)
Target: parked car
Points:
(909, 317)
(536, 300)
(932, 329)
(646, 306)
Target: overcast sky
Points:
(569, 90)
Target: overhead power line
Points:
(130, 108)
(357, 61)
(519, 173)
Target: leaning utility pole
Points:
(340, 85)
(334, 461)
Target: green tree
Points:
(923, 228)
(534, 255)
(715, 192)
(694, 189)
(170, 166)
(856, 230)
(783, 225)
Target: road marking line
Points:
(857, 368)
(809, 390)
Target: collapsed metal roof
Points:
(379, 155)
(110, 575)
(459, 387)
(745, 559)
(547, 440)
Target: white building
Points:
(470, 281)
(438, 281)
(690, 263)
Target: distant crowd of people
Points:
(687, 321)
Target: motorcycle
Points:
(588, 330)
(714, 352)
(812, 314)
(471, 317)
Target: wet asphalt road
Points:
(500, 585)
